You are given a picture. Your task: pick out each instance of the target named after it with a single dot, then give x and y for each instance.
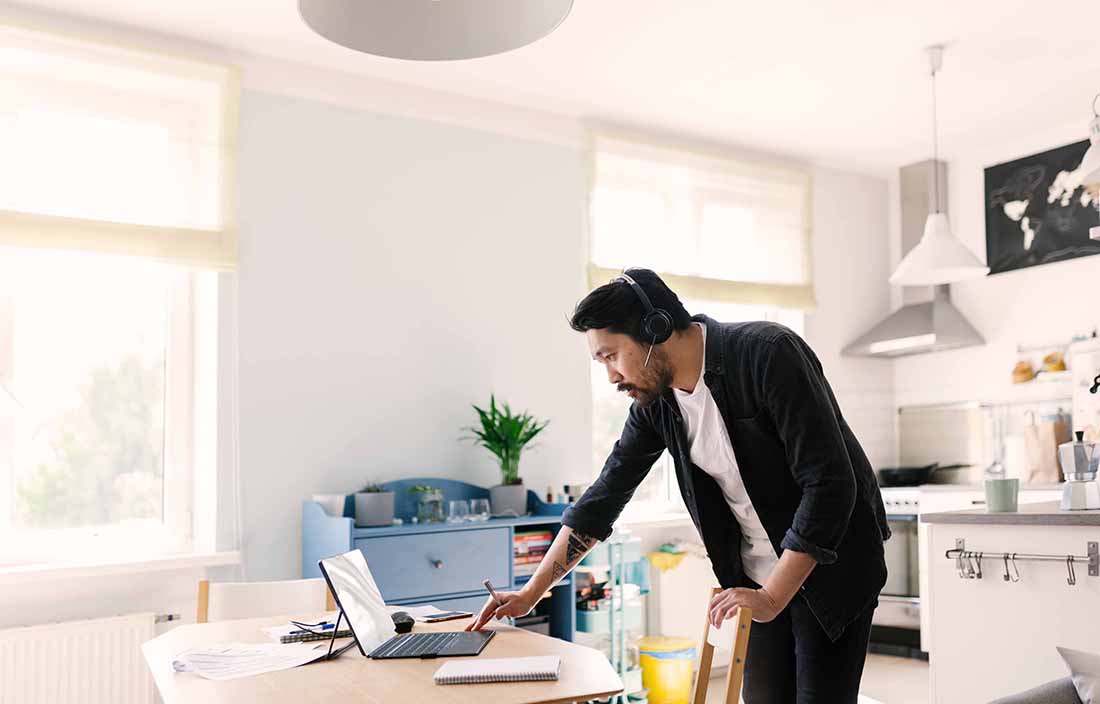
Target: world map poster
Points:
(1037, 211)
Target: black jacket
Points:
(806, 474)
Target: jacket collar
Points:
(714, 361)
(714, 356)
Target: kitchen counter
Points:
(993, 622)
(1039, 514)
(978, 486)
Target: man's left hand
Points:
(725, 604)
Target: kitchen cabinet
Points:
(991, 636)
(937, 498)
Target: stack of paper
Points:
(232, 660)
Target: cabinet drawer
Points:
(426, 564)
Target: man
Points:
(774, 479)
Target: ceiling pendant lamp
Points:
(1090, 164)
(939, 258)
(434, 30)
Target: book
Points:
(527, 534)
(540, 668)
(525, 570)
(527, 559)
(523, 548)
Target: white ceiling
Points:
(834, 81)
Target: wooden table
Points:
(585, 673)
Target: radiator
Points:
(91, 662)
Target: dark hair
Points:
(616, 307)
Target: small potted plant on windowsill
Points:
(374, 506)
(506, 434)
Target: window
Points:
(115, 150)
(715, 229)
(101, 378)
(115, 217)
(731, 238)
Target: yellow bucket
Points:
(667, 664)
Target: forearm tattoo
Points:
(578, 545)
(575, 549)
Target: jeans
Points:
(791, 660)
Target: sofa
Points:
(1057, 692)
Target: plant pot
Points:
(508, 499)
(374, 509)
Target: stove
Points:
(895, 627)
(901, 501)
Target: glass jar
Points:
(429, 507)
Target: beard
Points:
(655, 379)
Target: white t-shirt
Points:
(712, 451)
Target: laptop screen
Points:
(359, 597)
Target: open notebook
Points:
(543, 667)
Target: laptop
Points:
(359, 598)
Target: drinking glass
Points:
(479, 510)
(458, 511)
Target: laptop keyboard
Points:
(414, 645)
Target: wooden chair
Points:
(221, 601)
(742, 623)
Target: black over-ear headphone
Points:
(656, 323)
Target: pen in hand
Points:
(493, 592)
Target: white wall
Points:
(392, 272)
(851, 256)
(1033, 306)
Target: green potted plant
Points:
(506, 434)
(374, 506)
(429, 503)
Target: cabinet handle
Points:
(977, 502)
(438, 564)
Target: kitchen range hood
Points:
(920, 325)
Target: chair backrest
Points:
(221, 601)
(742, 625)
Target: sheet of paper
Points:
(233, 660)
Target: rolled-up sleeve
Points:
(638, 447)
(806, 417)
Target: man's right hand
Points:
(514, 604)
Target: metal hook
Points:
(979, 574)
(1015, 568)
(1006, 566)
(970, 571)
(1072, 579)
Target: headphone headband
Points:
(638, 290)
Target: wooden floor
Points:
(886, 680)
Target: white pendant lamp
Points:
(1091, 161)
(1090, 164)
(434, 30)
(939, 258)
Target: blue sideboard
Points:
(442, 564)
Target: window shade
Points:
(116, 150)
(714, 228)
